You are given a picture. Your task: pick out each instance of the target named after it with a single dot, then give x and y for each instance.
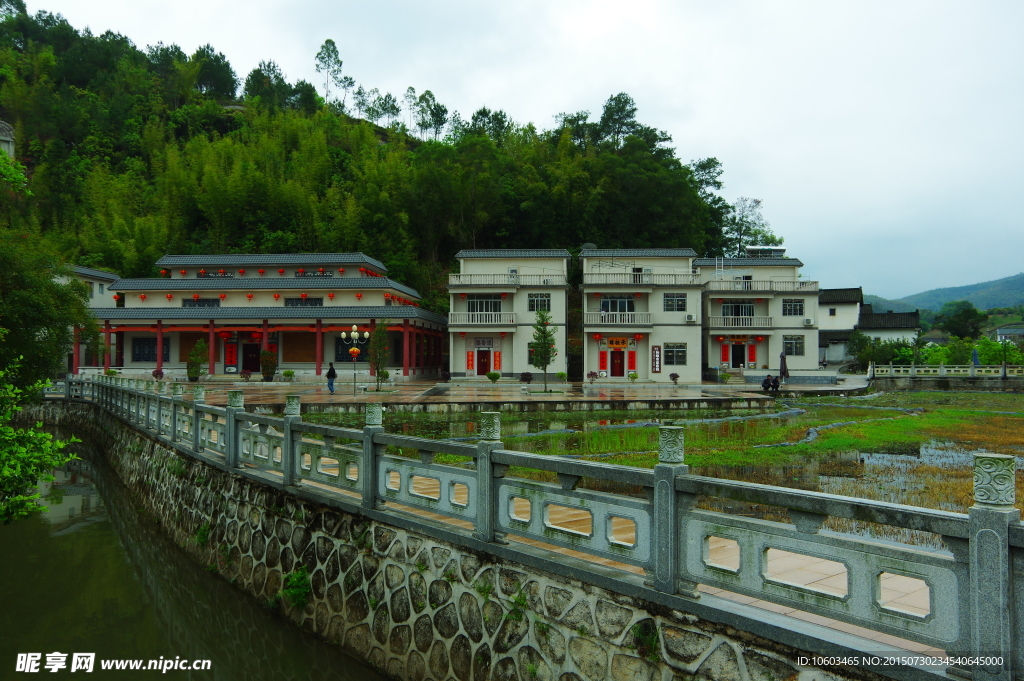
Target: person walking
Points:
(331, 375)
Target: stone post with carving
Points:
(198, 399)
(236, 403)
(490, 439)
(289, 459)
(368, 474)
(992, 621)
(668, 549)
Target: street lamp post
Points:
(353, 340)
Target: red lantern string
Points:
(195, 296)
(241, 271)
(182, 272)
(303, 295)
(249, 296)
(163, 273)
(220, 271)
(359, 296)
(223, 296)
(117, 297)
(261, 272)
(331, 296)
(281, 271)
(169, 296)
(277, 296)
(142, 296)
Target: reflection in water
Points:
(93, 575)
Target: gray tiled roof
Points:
(514, 253)
(638, 253)
(95, 274)
(750, 262)
(328, 313)
(6, 131)
(889, 320)
(841, 295)
(275, 259)
(260, 284)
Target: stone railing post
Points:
(667, 550)
(871, 370)
(175, 409)
(913, 369)
(368, 466)
(992, 622)
(198, 398)
(972, 370)
(159, 390)
(490, 433)
(67, 388)
(942, 370)
(289, 460)
(236, 403)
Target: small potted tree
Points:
(526, 377)
(194, 362)
(268, 365)
(592, 376)
(674, 378)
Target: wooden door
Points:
(618, 363)
(251, 357)
(483, 362)
(738, 354)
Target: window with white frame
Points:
(484, 302)
(89, 284)
(793, 345)
(792, 307)
(675, 354)
(738, 308)
(675, 302)
(617, 304)
(539, 301)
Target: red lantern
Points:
(597, 336)
(321, 270)
(303, 295)
(415, 304)
(721, 300)
(223, 296)
(758, 338)
(225, 334)
(597, 295)
(261, 272)
(163, 273)
(462, 334)
(182, 272)
(363, 270)
(637, 296)
(169, 296)
(759, 300)
(195, 296)
(220, 271)
(463, 295)
(277, 296)
(202, 271)
(341, 270)
(639, 336)
(504, 295)
(302, 270)
(281, 271)
(354, 352)
(720, 339)
(387, 296)
(359, 296)
(502, 334)
(331, 296)
(256, 335)
(241, 271)
(117, 297)
(249, 296)
(142, 296)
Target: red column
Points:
(415, 349)
(405, 347)
(213, 350)
(106, 346)
(319, 346)
(373, 327)
(265, 338)
(76, 353)
(159, 344)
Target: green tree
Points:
(960, 318)
(216, 77)
(745, 226)
(377, 351)
(328, 62)
(543, 351)
(41, 304)
(27, 455)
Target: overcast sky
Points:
(885, 139)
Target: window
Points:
(144, 350)
(303, 302)
(341, 349)
(617, 304)
(831, 312)
(738, 308)
(200, 302)
(89, 284)
(675, 302)
(793, 345)
(675, 354)
(540, 301)
(101, 289)
(484, 302)
(792, 307)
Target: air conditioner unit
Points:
(808, 322)
(691, 317)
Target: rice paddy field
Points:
(912, 448)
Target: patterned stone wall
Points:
(413, 607)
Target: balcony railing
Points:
(739, 322)
(765, 286)
(506, 280)
(623, 318)
(489, 318)
(641, 278)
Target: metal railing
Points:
(971, 609)
(943, 370)
(765, 286)
(740, 322)
(640, 278)
(623, 318)
(491, 318)
(506, 280)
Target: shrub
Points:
(246, 374)
(674, 378)
(110, 372)
(592, 376)
(196, 356)
(382, 376)
(493, 376)
(525, 377)
(158, 374)
(268, 363)
(562, 376)
(633, 376)
(446, 376)
(297, 588)
(288, 374)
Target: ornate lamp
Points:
(352, 338)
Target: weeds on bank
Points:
(297, 588)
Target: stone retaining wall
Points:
(988, 384)
(411, 606)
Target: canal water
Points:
(95, 575)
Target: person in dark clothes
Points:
(331, 375)
(766, 384)
(775, 384)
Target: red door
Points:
(483, 362)
(618, 363)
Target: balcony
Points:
(739, 322)
(506, 280)
(762, 286)
(638, 278)
(619, 318)
(481, 318)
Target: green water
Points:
(94, 576)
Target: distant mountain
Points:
(1007, 292)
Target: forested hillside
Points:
(132, 153)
